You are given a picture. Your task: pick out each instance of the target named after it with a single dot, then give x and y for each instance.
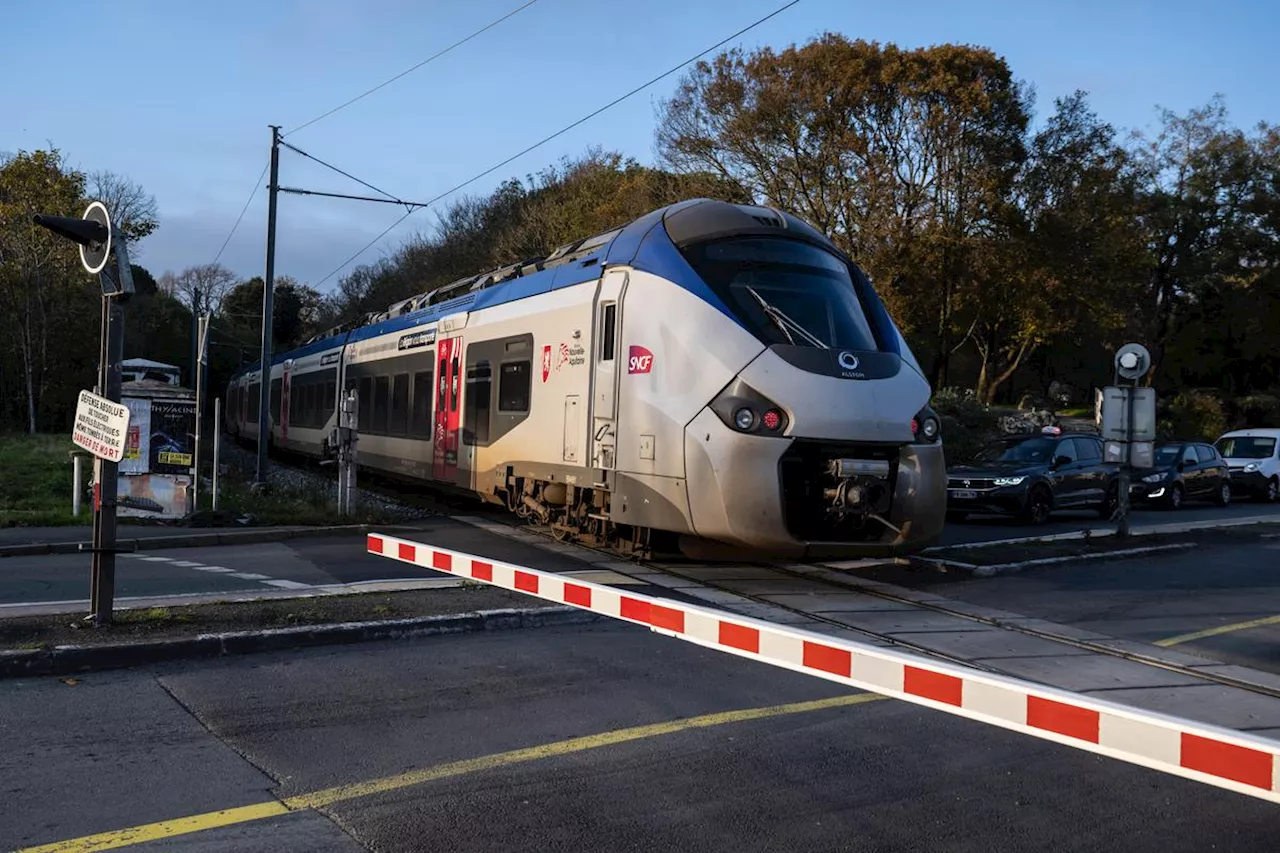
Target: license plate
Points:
(963, 494)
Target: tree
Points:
(211, 281)
(133, 210)
(294, 311)
(43, 288)
(906, 158)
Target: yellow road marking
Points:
(163, 829)
(1213, 632)
(328, 796)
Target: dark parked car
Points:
(1183, 470)
(1029, 476)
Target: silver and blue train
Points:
(718, 376)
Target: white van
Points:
(1253, 455)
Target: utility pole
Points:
(264, 400)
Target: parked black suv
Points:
(1183, 470)
(1029, 476)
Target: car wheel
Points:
(1272, 494)
(1174, 501)
(1111, 503)
(1039, 506)
(1223, 498)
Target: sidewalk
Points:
(16, 541)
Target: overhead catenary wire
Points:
(247, 202)
(559, 132)
(410, 70)
(391, 197)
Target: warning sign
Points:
(102, 427)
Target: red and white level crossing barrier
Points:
(1211, 754)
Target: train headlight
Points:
(925, 426)
(744, 409)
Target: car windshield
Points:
(1250, 447)
(1031, 450)
(786, 291)
(1168, 455)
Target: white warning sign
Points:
(102, 427)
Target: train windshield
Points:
(786, 291)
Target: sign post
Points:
(1127, 418)
(103, 429)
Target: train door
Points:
(604, 380)
(448, 388)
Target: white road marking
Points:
(156, 559)
(187, 564)
(213, 569)
(288, 584)
(250, 576)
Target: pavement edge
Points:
(71, 660)
(197, 540)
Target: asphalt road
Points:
(334, 559)
(426, 731)
(1220, 601)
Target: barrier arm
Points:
(1214, 755)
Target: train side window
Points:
(420, 422)
(399, 420)
(381, 401)
(513, 387)
(295, 404)
(330, 392)
(366, 403)
(255, 401)
(275, 400)
(479, 389)
(608, 332)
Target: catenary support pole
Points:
(264, 361)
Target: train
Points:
(710, 377)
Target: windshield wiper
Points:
(782, 321)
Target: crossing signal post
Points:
(1127, 417)
(98, 242)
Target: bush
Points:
(966, 423)
(1257, 410)
(1193, 415)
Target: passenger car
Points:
(1182, 470)
(1253, 456)
(1029, 476)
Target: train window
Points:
(326, 407)
(479, 389)
(255, 401)
(453, 371)
(275, 400)
(420, 422)
(398, 423)
(381, 402)
(608, 331)
(513, 387)
(366, 404)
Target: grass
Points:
(35, 487)
(286, 506)
(1077, 412)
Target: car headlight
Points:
(1154, 478)
(1009, 481)
(1251, 467)
(744, 409)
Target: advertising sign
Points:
(173, 436)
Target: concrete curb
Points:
(1102, 533)
(979, 571)
(69, 660)
(195, 540)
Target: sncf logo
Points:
(546, 362)
(639, 360)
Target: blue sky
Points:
(195, 86)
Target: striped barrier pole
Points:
(1214, 755)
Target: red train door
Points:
(448, 390)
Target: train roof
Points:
(688, 221)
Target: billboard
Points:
(172, 437)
